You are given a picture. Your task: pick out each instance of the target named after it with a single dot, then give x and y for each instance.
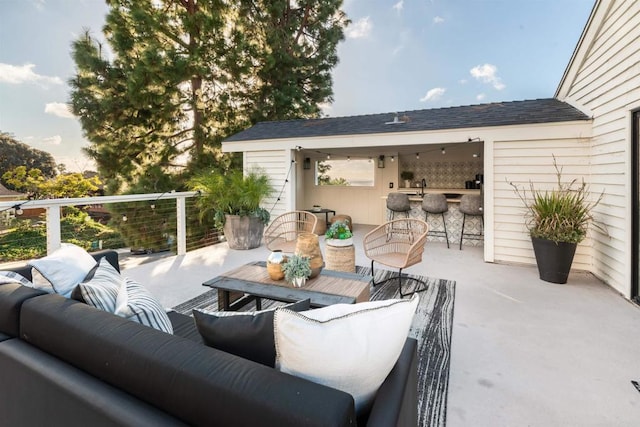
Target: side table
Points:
(340, 258)
(322, 227)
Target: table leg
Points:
(225, 300)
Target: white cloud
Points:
(399, 6)
(53, 140)
(360, 29)
(438, 20)
(16, 75)
(487, 73)
(58, 109)
(433, 94)
(480, 96)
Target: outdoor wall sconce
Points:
(307, 163)
(381, 161)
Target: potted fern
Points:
(558, 220)
(234, 199)
(297, 270)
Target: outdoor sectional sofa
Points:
(66, 363)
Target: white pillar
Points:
(181, 225)
(53, 228)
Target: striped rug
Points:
(431, 326)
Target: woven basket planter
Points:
(341, 258)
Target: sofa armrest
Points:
(396, 403)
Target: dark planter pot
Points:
(554, 259)
(243, 232)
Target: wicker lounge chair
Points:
(398, 244)
(283, 232)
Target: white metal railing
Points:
(52, 207)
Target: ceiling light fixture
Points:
(443, 152)
(417, 156)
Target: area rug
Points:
(431, 326)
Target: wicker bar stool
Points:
(398, 202)
(436, 204)
(471, 204)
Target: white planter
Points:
(299, 282)
(338, 243)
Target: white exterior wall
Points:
(276, 163)
(523, 163)
(604, 79)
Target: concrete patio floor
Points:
(524, 352)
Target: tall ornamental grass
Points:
(563, 214)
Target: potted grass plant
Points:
(234, 198)
(297, 270)
(557, 220)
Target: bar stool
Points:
(471, 204)
(436, 204)
(398, 202)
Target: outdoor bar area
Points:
(454, 171)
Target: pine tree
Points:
(179, 76)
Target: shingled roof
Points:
(534, 111)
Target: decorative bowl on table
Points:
(316, 208)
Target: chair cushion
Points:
(350, 347)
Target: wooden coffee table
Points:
(254, 283)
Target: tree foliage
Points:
(14, 153)
(181, 75)
(37, 186)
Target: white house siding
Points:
(605, 81)
(523, 163)
(275, 164)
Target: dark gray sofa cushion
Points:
(12, 295)
(184, 326)
(195, 383)
(40, 390)
(248, 335)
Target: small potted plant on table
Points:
(339, 234)
(297, 270)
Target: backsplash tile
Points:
(443, 174)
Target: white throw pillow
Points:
(136, 303)
(65, 267)
(350, 347)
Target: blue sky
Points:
(398, 55)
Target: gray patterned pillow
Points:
(13, 277)
(102, 290)
(136, 303)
